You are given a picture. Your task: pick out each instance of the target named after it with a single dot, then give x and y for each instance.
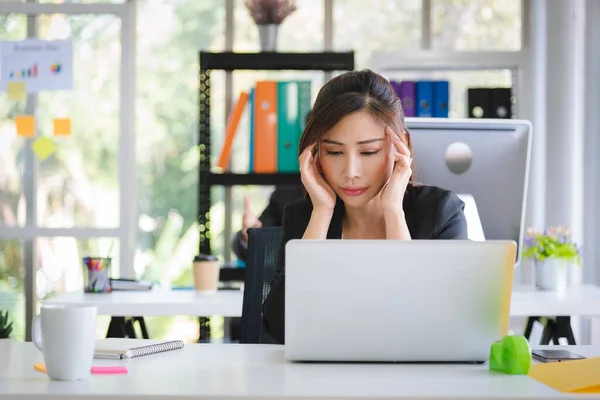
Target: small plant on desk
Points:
(5, 325)
(5, 343)
(554, 243)
(552, 252)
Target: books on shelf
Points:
(265, 127)
(490, 103)
(231, 129)
(426, 99)
(277, 115)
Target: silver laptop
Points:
(396, 301)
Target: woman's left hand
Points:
(392, 194)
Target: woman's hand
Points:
(392, 194)
(321, 194)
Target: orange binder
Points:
(230, 131)
(265, 127)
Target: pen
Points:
(109, 355)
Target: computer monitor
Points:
(488, 159)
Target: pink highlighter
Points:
(109, 370)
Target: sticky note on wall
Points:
(43, 147)
(16, 91)
(25, 125)
(62, 126)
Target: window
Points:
(12, 289)
(166, 115)
(79, 185)
(76, 187)
(470, 25)
(12, 203)
(376, 25)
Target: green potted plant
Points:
(552, 252)
(5, 325)
(5, 340)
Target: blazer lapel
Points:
(335, 226)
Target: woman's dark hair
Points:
(349, 93)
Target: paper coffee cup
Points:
(206, 273)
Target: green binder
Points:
(293, 104)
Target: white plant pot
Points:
(552, 274)
(5, 352)
(267, 34)
(5, 345)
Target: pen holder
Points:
(511, 355)
(97, 274)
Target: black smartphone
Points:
(555, 355)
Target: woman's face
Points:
(356, 158)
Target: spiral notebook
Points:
(119, 349)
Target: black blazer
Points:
(272, 215)
(430, 212)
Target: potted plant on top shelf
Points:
(553, 252)
(268, 15)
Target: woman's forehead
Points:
(355, 125)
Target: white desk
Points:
(158, 302)
(580, 301)
(526, 301)
(260, 371)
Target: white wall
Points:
(561, 74)
(592, 143)
(591, 271)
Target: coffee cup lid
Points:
(205, 257)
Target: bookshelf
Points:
(231, 61)
(429, 61)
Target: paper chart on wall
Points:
(41, 64)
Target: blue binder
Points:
(251, 145)
(424, 99)
(440, 99)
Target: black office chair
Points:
(263, 246)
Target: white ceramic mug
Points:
(66, 335)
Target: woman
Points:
(356, 166)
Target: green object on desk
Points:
(511, 355)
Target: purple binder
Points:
(396, 87)
(407, 94)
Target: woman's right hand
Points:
(321, 194)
